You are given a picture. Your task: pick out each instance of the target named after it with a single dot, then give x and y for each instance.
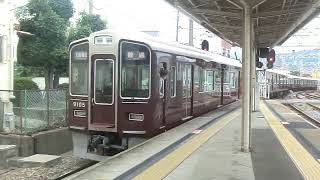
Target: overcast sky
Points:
(160, 16)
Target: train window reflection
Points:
(79, 69)
(206, 80)
(173, 80)
(79, 78)
(232, 80)
(209, 80)
(103, 82)
(135, 71)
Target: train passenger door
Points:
(102, 90)
(187, 89)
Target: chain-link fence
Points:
(32, 111)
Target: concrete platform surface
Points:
(6, 152)
(7, 147)
(307, 134)
(38, 160)
(128, 164)
(219, 158)
(13, 162)
(194, 151)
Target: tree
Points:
(85, 25)
(26, 71)
(48, 21)
(295, 73)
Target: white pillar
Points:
(253, 72)
(190, 32)
(246, 75)
(257, 92)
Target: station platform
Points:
(208, 147)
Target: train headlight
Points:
(79, 113)
(136, 117)
(103, 40)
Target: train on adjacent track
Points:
(125, 88)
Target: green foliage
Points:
(24, 83)
(85, 25)
(48, 21)
(63, 86)
(64, 8)
(295, 73)
(21, 84)
(26, 71)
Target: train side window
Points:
(163, 68)
(202, 79)
(206, 80)
(226, 79)
(232, 80)
(209, 85)
(173, 81)
(1, 53)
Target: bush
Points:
(63, 86)
(24, 83)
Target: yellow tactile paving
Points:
(307, 165)
(163, 167)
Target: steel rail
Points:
(306, 117)
(314, 106)
(76, 170)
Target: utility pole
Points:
(177, 30)
(190, 32)
(90, 6)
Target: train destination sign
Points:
(136, 55)
(80, 55)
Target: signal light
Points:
(258, 63)
(269, 66)
(205, 45)
(271, 58)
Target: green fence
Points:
(36, 110)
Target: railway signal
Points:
(271, 58)
(258, 63)
(205, 45)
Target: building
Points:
(305, 61)
(226, 48)
(8, 46)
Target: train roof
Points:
(170, 47)
(176, 48)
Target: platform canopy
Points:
(274, 20)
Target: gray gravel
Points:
(69, 163)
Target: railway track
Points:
(315, 121)
(76, 170)
(300, 95)
(314, 106)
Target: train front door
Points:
(102, 92)
(187, 90)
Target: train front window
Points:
(135, 70)
(79, 69)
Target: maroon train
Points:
(124, 88)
